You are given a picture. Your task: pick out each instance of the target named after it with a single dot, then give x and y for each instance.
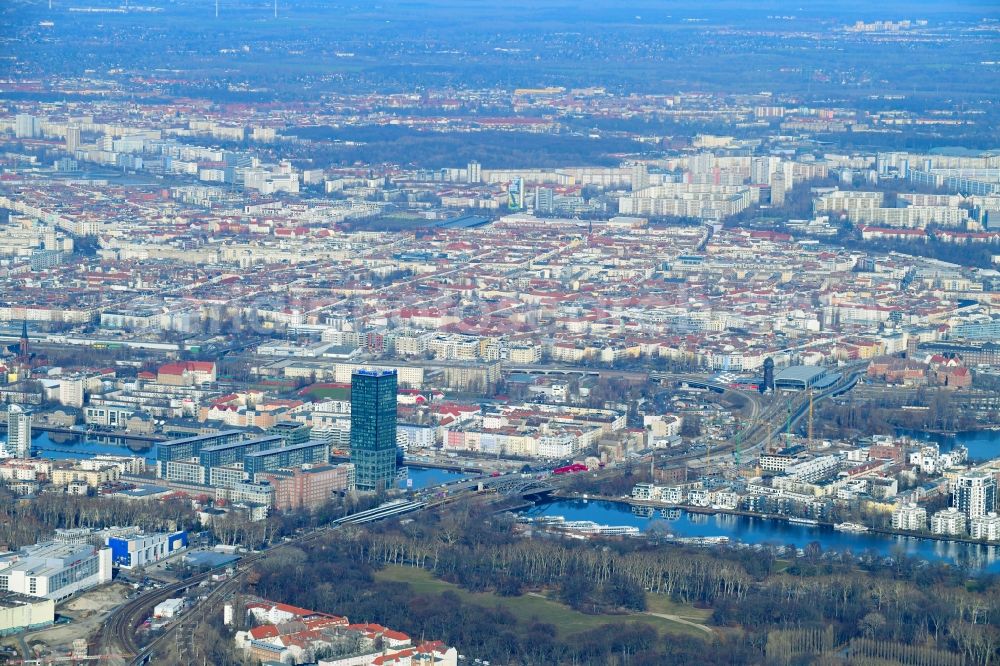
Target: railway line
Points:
(769, 423)
(118, 635)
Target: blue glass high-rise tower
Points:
(373, 429)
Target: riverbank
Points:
(708, 511)
(92, 434)
(430, 464)
(451, 466)
(982, 443)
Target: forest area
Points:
(26, 522)
(765, 608)
(773, 605)
(432, 150)
(885, 413)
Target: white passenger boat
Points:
(850, 527)
(803, 521)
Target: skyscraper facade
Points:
(18, 432)
(768, 383)
(515, 194)
(373, 429)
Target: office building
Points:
(308, 487)
(293, 432)
(373, 429)
(216, 461)
(236, 452)
(975, 494)
(183, 450)
(768, 383)
(253, 498)
(280, 457)
(169, 608)
(54, 570)
(18, 432)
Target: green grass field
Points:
(331, 393)
(566, 620)
(659, 603)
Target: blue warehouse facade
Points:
(141, 550)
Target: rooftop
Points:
(800, 373)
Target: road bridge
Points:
(390, 510)
(511, 485)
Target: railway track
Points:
(118, 635)
(770, 424)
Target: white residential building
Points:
(948, 521)
(71, 391)
(910, 517)
(985, 527)
(18, 432)
(975, 494)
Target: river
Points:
(425, 477)
(753, 530)
(65, 446)
(982, 444)
(60, 446)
